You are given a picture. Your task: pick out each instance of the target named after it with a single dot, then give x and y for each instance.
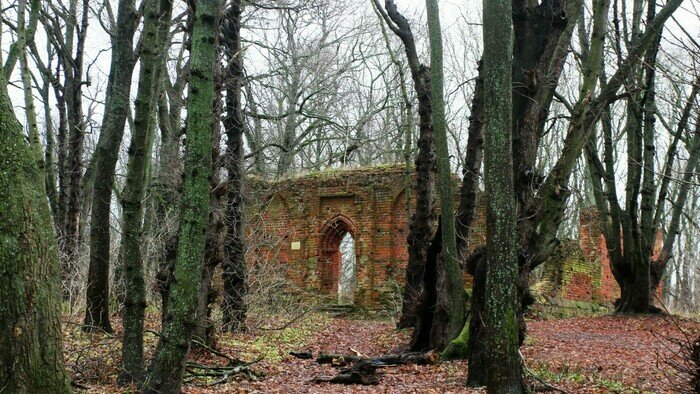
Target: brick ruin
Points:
(300, 223)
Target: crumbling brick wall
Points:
(305, 218)
(300, 222)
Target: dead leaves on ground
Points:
(581, 355)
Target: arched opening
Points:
(337, 258)
(346, 281)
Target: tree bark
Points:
(155, 42)
(30, 328)
(468, 191)
(454, 288)
(165, 373)
(501, 304)
(73, 92)
(234, 268)
(106, 154)
(542, 34)
(420, 230)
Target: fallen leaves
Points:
(579, 355)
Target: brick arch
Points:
(329, 257)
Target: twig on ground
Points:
(213, 351)
(287, 324)
(532, 373)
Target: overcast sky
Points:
(456, 17)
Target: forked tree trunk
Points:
(155, 41)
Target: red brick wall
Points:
(315, 211)
(595, 250)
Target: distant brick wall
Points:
(595, 252)
(304, 219)
(301, 221)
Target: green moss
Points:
(31, 359)
(567, 261)
(457, 349)
(274, 346)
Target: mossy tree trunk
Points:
(155, 40)
(453, 288)
(25, 33)
(106, 155)
(501, 304)
(216, 232)
(31, 360)
(165, 373)
(234, 267)
(542, 33)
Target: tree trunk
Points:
(30, 328)
(234, 267)
(420, 231)
(165, 374)
(468, 191)
(72, 144)
(22, 36)
(215, 236)
(155, 41)
(107, 153)
(49, 158)
(427, 308)
(478, 368)
(449, 270)
(501, 303)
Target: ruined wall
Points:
(300, 222)
(595, 252)
(309, 215)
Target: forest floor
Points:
(627, 354)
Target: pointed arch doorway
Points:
(338, 259)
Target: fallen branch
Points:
(197, 371)
(364, 369)
(362, 372)
(215, 352)
(418, 358)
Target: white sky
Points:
(457, 17)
